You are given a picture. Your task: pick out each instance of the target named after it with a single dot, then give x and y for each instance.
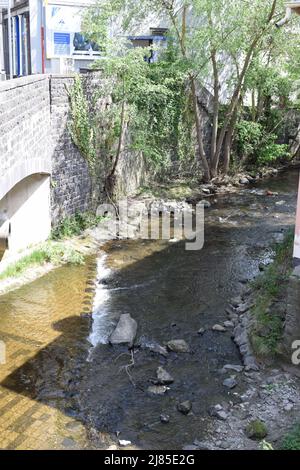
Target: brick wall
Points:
(71, 182)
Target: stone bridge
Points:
(43, 176)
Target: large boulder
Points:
(125, 331)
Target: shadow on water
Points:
(171, 293)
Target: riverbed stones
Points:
(218, 412)
(244, 180)
(178, 346)
(157, 389)
(201, 331)
(164, 418)
(124, 443)
(234, 367)
(125, 331)
(230, 382)
(236, 301)
(228, 324)
(157, 348)
(184, 407)
(163, 377)
(219, 328)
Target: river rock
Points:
(124, 443)
(234, 367)
(243, 308)
(163, 377)
(125, 331)
(184, 407)
(156, 348)
(230, 382)
(164, 418)
(235, 302)
(201, 331)
(228, 324)
(205, 190)
(218, 412)
(178, 346)
(244, 180)
(157, 389)
(219, 328)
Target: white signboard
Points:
(63, 32)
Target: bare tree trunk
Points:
(235, 97)
(199, 132)
(216, 105)
(111, 178)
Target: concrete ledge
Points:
(7, 85)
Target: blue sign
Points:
(61, 38)
(62, 44)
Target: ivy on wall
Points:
(81, 126)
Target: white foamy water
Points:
(102, 325)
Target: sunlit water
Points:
(57, 328)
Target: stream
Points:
(56, 331)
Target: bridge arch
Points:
(25, 217)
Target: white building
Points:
(46, 37)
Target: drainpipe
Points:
(284, 20)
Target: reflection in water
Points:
(47, 384)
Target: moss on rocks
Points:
(256, 429)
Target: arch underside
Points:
(21, 171)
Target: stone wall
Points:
(35, 139)
(73, 187)
(71, 182)
(24, 130)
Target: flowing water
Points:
(64, 386)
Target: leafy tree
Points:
(216, 43)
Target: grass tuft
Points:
(291, 441)
(50, 252)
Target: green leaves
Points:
(81, 127)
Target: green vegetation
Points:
(255, 147)
(75, 225)
(82, 128)
(256, 429)
(270, 286)
(160, 108)
(50, 252)
(291, 441)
